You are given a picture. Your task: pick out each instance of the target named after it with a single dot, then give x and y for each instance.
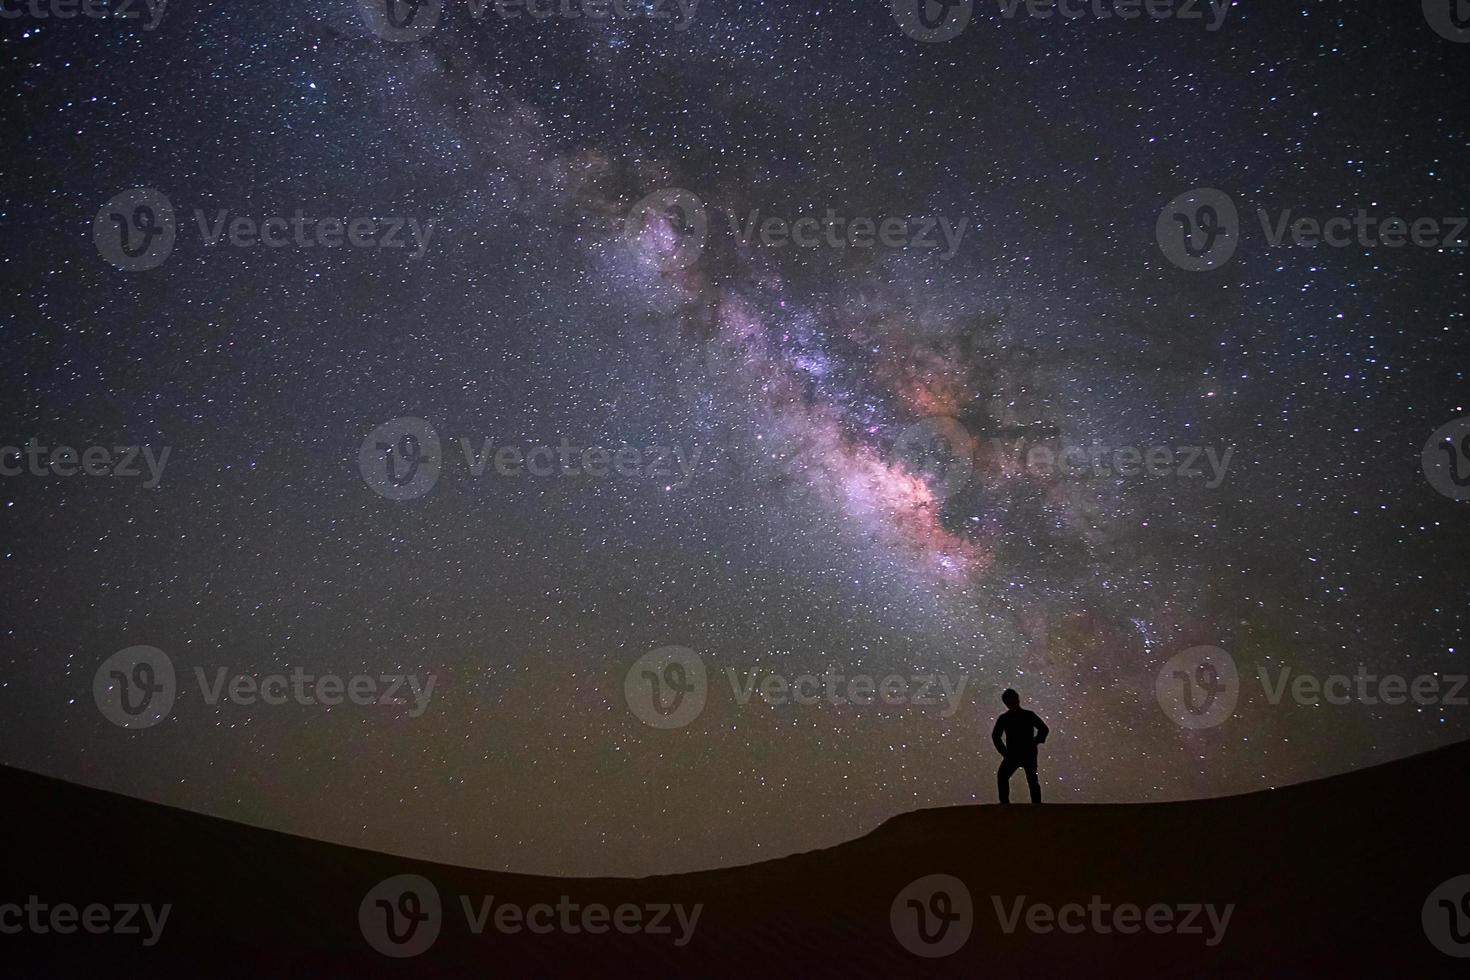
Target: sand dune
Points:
(1336, 878)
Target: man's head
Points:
(1011, 699)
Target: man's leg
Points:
(1033, 782)
(1003, 779)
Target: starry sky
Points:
(809, 534)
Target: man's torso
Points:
(1019, 730)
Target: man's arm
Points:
(1041, 730)
(995, 737)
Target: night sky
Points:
(809, 532)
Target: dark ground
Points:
(1328, 879)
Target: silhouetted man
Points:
(1023, 731)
